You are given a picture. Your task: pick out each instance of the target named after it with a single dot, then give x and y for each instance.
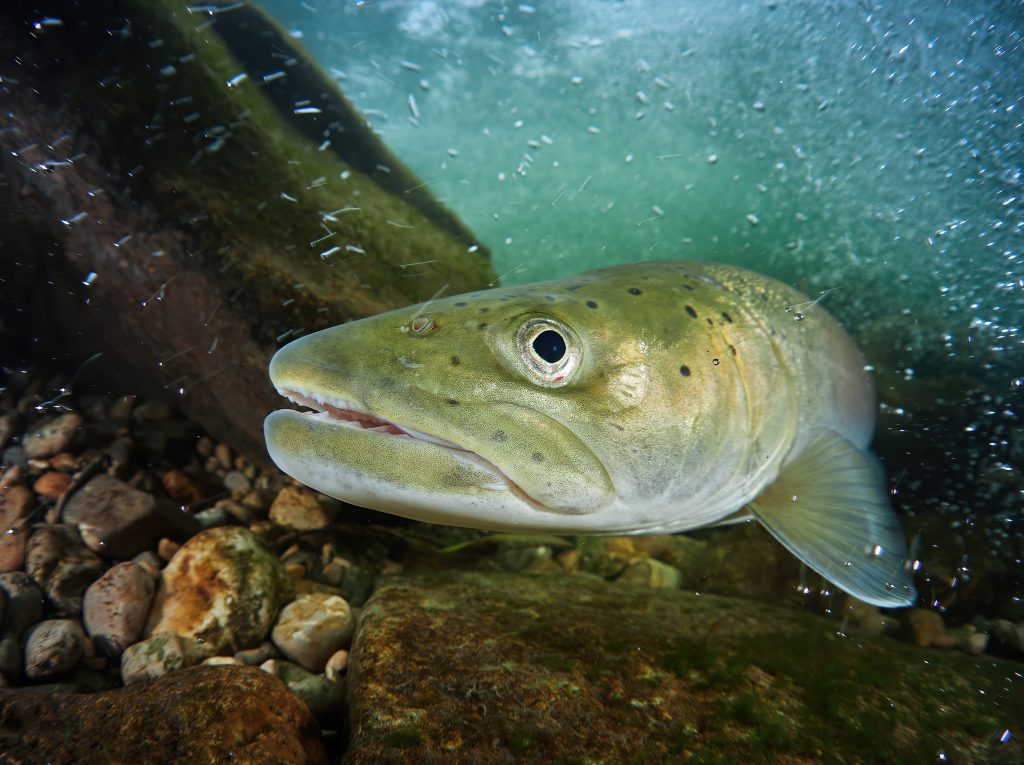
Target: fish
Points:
(652, 397)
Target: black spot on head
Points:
(461, 304)
(634, 291)
(684, 370)
(710, 323)
(591, 304)
(691, 312)
(453, 402)
(485, 309)
(688, 287)
(727, 317)
(500, 437)
(537, 457)
(482, 325)
(455, 361)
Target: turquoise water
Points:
(868, 151)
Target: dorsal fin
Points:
(829, 508)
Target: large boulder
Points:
(504, 668)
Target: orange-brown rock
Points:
(202, 714)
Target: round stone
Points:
(312, 628)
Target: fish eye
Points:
(550, 351)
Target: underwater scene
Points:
(464, 381)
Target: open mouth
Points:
(348, 414)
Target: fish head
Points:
(504, 409)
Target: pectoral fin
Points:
(829, 508)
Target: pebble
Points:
(238, 511)
(13, 544)
(120, 521)
(180, 487)
(215, 661)
(10, 656)
(313, 627)
(224, 586)
(156, 657)
(52, 484)
(24, 602)
(53, 436)
(62, 565)
(336, 665)
(115, 607)
(223, 454)
(235, 481)
(927, 629)
(297, 510)
(323, 697)
(651, 573)
(1006, 633)
(150, 562)
(53, 648)
(975, 643)
(256, 656)
(204, 446)
(211, 517)
(16, 502)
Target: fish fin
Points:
(829, 508)
(740, 516)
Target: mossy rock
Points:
(489, 668)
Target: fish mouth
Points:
(345, 413)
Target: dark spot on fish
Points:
(591, 304)
(616, 426)
(689, 310)
(634, 291)
(500, 437)
(574, 287)
(453, 402)
(455, 361)
(688, 287)
(460, 304)
(485, 309)
(549, 297)
(732, 349)
(710, 323)
(482, 325)
(684, 370)
(727, 317)
(537, 457)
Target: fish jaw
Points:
(385, 443)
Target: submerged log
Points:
(185, 190)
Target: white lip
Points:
(346, 413)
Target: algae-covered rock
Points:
(489, 668)
(200, 715)
(187, 190)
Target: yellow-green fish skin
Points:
(696, 384)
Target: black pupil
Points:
(549, 345)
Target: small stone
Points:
(569, 560)
(223, 454)
(53, 648)
(215, 661)
(122, 408)
(53, 435)
(13, 545)
(651, 573)
(1004, 633)
(157, 656)
(16, 502)
(204, 446)
(120, 451)
(66, 462)
(12, 476)
(120, 521)
(235, 481)
(180, 487)
(150, 562)
(926, 629)
(336, 665)
(10, 656)
(324, 697)
(58, 560)
(198, 715)
(310, 629)
(211, 517)
(152, 411)
(167, 548)
(256, 656)
(24, 602)
(975, 643)
(224, 586)
(297, 510)
(52, 484)
(238, 511)
(295, 571)
(115, 607)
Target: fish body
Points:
(646, 398)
